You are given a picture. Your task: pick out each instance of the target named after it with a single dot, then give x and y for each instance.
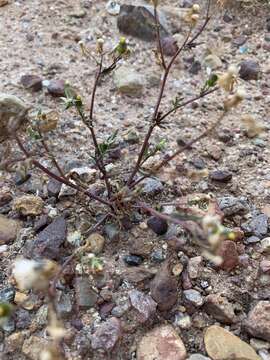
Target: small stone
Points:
(107, 335)
(96, 242)
(128, 81)
(252, 240)
(13, 114)
(64, 305)
(144, 305)
(48, 242)
(249, 70)
(33, 82)
(7, 295)
(9, 230)
(112, 232)
(229, 255)
(182, 320)
(198, 357)
(133, 260)
(258, 322)
(198, 163)
(195, 267)
(257, 226)
(193, 297)
(33, 346)
(56, 87)
(265, 266)
(85, 295)
(66, 191)
(258, 344)
(221, 344)
(169, 45)
(158, 225)
(113, 7)
(138, 21)
(14, 342)
(231, 205)
(152, 186)
(161, 343)
(221, 176)
(164, 288)
(219, 308)
(265, 243)
(195, 67)
(28, 205)
(240, 40)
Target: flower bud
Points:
(100, 45)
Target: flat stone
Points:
(138, 21)
(257, 226)
(152, 186)
(219, 308)
(85, 295)
(228, 253)
(158, 225)
(144, 305)
(161, 343)
(128, 81)
(193, 297)
(231, 205)
(28, 205)
(249, 70)
(13, 114)
(198, 357)
(33, 82)
(9, 230)
(54, 188)
(220, 344)
(48, 242)
(258, 321)
(194, 268)
(107, 335)
(221, 176)
(7, 295)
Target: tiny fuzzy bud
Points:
(227, 80)
(196, 8)
(122, 40)
(234, 100)
(195, 18)
(100, 45)
(253, 127)
(231, 236)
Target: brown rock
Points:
(96, 242)
(144, 305)
(8, 230)
(220, 344)
(33, 346)
(219, 308)
(228, 252)
(56, 87)
(164, 288)
(28, 205)
(161, 343)
(32, 82)
(107, 335)
(258, 322)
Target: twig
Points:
(158, 37)
(181, 150)
(52, 157)
(59, 178)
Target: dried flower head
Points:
(234, 100)
(192, 15)
(227, 80)
(100, 45)
(33, 274)
(253, 127)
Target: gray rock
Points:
(195, 266)
(152, 186)
(249, 70)
(221, 176)
(64, 305)
(193, 297)
(266, 245)
(112, 232)
(158, 225)
(252, 240)
(198, 357)
(54, 188)
(231, 205)
(129, 81)
(13, 114)
(48, 242)
(33, 82)
(219, 308)
(56, 87)
(143, 303)
(107, 335)
(9, 230)
(85, 295)
(257, 226)
(7, 295)
(138, 21)
(258, 321)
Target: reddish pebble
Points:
(228, 252)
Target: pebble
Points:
(161, 343)
(249, 70)
(112, 232)
(9, 230)
(252, 240)
(221, 176)
(164, 288)
(221, 344)
(13, 114)
(28, 205)
(231, 205)
(182, 320)
(129, 81)
(144, 305)
(169, 45)
(96, 242)
(258, 344)
(86, 297)
(33, 346)
(138, 21)
(198, 357)
(113, 7)
(265, 243)
(257, 226)
(107, 335)
(219, 308)
(7, 295)
(228, 253)
(193, 297)
(53, 188)
(33, 82)
(152, 186)
(258, 321)
(265, 266)
(158, 225)
(48, 242)
(133, 260)
(195, 267)
(56, 87)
